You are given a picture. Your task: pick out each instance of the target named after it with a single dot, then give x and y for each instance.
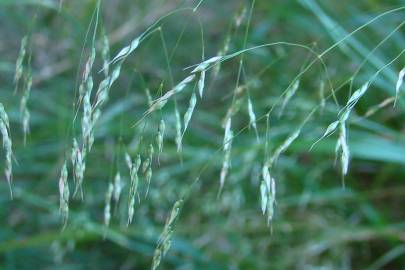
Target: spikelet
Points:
(165, 238)
(268, 194)
(86, 121)
(399, 84)
(221, 53)
(87, 80)
(232, 110)
(205, 64)
(252, 116)
(160, 102)
(160, 135)
(148, 178)
(345, 113)
(289, 94)
(64, 195)
(19, 68)
(4, 116)
(105, 85)
(284, 146)
(107, 207)
(148, 97)
(201, 83)
(345, 156)
(134, 181)
(147, 168)
(25, 115)
(226, 163)
(105, 54)
(355, 97)
(178, 130)
(322, 95)
(79, 166)
(118, 185)
(124, 52)
(189, 112)
(372, 110)
(7, 145)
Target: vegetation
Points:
(185, 134)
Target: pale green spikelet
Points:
(178, 138)
(64, 194)
(107, 207)
(118, 185)
(400, 81)
(19, 67)
(189, 112)
(227, 145)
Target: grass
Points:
(269, 138)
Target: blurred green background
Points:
(317, 223)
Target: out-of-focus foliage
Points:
(317, 224)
